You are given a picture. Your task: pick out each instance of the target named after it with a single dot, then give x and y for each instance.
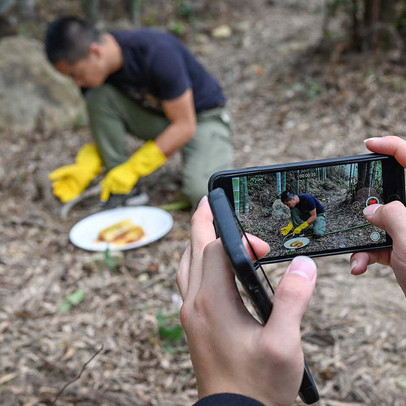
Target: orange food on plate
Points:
(123, 232)
(296, 244)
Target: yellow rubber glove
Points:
(299, 229)
(69, 181)
(122, 178)
(285, 230)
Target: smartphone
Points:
(314, 208)
(227, 227)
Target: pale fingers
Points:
(291, 299)
(182, 275)
(218, 297)
(260, 247)
(390, 217)
(202, 233)
(360, 260)
(389, 145)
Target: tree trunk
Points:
(374, 24)
(364, 172)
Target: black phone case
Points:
(229, 232)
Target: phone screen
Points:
(314, 208)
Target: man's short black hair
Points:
(287, 195)
(69, 38)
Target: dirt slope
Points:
(288, 104)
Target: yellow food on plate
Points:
(296, 244)
(123, 232)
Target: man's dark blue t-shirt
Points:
(308, 202)
(159, 67)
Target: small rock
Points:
(222, 32)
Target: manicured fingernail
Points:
(353, 264)
(202, 201)
(370, 210)
(372, 138)
(303, 266)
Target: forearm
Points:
(311, 219)
(174, 137)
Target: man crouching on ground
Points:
(146, 83)
(305, 210)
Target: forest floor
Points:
(289, 104)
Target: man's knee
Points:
(195, 190)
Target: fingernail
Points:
(372, 138)
(269, 248)
(202, 201)
(353, 264)
(370, 210)
(303, 266)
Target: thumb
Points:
(390, 217)
(58, 173)
(292, 297)
(105, 192)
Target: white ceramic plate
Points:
(303, 240)
(155, 223)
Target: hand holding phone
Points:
(230, 350)
(231, 231)
(390, 217)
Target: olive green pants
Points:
(319, 226)
(112, 115)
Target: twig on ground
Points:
(78, 376)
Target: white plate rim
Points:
(304, 240)
(112, 216)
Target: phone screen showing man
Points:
(314, 210)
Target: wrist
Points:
(238, 389)
(229, 399)
(147, 159)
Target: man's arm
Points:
(305, 224)
(181, 114)
(313, 216)
(153, 154)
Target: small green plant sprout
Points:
(169, 330)
(72, 300)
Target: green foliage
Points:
(180, 205)
(309, 88)
(151, 17)
(80, 122)
(256, 181)
(177, 28)
(169, 330)
(399, 84)
(335, 6)
(184, 9)
(72, 300)
(109, 261)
